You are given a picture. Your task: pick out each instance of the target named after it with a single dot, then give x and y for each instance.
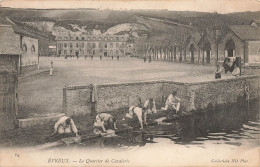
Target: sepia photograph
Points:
(129, 83)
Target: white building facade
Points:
(91, 45)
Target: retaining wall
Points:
(29, 68)
(78, 99)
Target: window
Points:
(59, 38)
(100, 45)
(94, 38)
(111, 45)
(117, 52)
(105, 45)
(77, 38)
(117, 45)
(94, 52)
(82, 45)
(105, 38)
(83, 38)
(111, 38)
(32, 49)
(65, 45)
(88, 45)
(59, 45)
(24, 47)
(82, 52)
(66, 38)
(94, 45)
(71, 38)
(122, 38)
(117, 38)
(70, 52)
(65, 52)
(99, 38)
(88, 38)
(71, 45)
(111, 52)
(77, 45)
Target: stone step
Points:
(23, 123)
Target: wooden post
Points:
(65, 99)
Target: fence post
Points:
(65, 99)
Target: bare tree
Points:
(181, 38)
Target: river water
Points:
(225, 135)
(231, 126)
(245, 136)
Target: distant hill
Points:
(112, 21)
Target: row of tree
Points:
(169, 45)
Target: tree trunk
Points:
(185, 55)
(180, 58)
(203, 56)
(174, 54)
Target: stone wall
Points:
(28, 68)
(116, 96)
(9, 63)
(78, 99)
(30, 55)
(254, 52)
(223, 91)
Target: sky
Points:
(220, 6)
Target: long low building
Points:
(91, 45)
(207, 47)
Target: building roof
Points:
(246, 32)
(4, 21)
(8, 46)
(17, 29)
(23, 29)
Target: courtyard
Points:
(41, 94)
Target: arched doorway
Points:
(230, 48)
(192, 49)
(105, 53)
(207, 49)
(77, 53)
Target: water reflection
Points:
(247, 135)
(232, 128)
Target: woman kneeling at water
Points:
(65, 125)
(103, 119)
